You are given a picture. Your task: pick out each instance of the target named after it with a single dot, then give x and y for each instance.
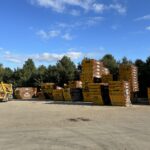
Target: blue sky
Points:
(45, 30)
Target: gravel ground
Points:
(31, 125)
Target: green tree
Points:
(52, 74)
(40, 75)
(111, 63)
(17, 77)
(8, 74)
(2, 70)
(28, 70)
(126, 61)
(66, 70)
(78, 71)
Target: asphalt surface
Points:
(45, 126)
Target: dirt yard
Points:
(45, 126)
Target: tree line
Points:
(65, 70)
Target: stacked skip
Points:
(58, 94)
(73, 91)
(106, 76)
(92, 71)
(130, 73)
(47, 89)
(76, 90)
(97, 93)
(92, 93)
(119, 92)
(67, 93)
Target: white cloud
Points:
(1, 49)
(61, 6)
(42, 34)
(43, 57)
(99, 8)
(8, 56)
(50, 34)
(148, 28)
(75, 12)
(70, 25)
(118, 7)
(62, 30)
(56, 5)
(53, 57)
(146, 17)
(74, 55)
(94, 54)
(93, 21)
(67, 36)
(63, 25)
(48, 57)
(81, 23)
(54, 33)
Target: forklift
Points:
(6, 92)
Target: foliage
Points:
(40, 75)
(66, 70)
(1, 72)
(7, 75)
(28, 71)
(126, 61)
(111, 63)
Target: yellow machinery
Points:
(6, 91)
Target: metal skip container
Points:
(25, 92)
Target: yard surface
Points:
(31, 125)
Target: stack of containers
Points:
(91, 70)
(119, 92)
(105, 93)
(75, 84)
(47, 89)
(107, 78)
(76, 94)
(86, 93)
(95, 93)
(130, 73)
(76, 90)
(148, 90)
(67, 94)
(105, 71)
(58, 94)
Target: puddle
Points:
(79, 119)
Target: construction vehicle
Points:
(6, 92)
